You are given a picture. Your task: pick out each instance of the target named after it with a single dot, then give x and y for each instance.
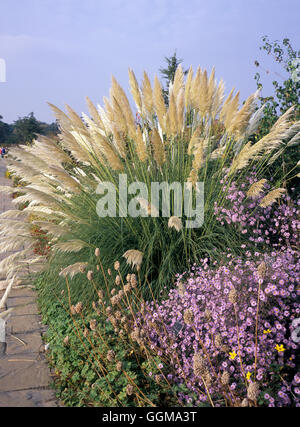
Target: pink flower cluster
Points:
(277, 225)
(200, 317)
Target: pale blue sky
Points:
(62, 50)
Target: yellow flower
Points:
(279, 348)
(131, 352)
(248, 375)
(268, 331)
(232, 355)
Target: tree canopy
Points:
(287, 92)
(24, 130)
(168, 72)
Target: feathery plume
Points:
(120, 95)
(262, 269)
(180, 111)
(188, 317)
(188, 85)
(6, 293)
(254, 121)
(159, 103)
(218, 100)
(108, 110)
(203, 100)
(181, 289)
(241, 119)
(75, 119)
(119, 118)
(193, 177)
(199, 365)
(178, 82)
(62, 118)
(195, 88)
(271, 197)
(119, 140)
(194, 139)
(172, 115)
(54, 229)
(135, 90)
(141, 148)
(74, 245)
(94, 113)
(90, 275)
(225, 105)
(72, 270)
(147, 95)
(175, 222)
(148, 207)
(71, 141)
(231, 110)
(37, 196)
(65, 179)
(158, 148)
(253, 391)
(256, 188)
(233, 296)
(133, 257)
(279, 131)
(199, 155)
(109, 152)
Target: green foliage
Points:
(24, 130)
(168, 73)
(78, 355)
(5, 131)
(286, 95)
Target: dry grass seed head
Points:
(175, 222)
(271, 197)
(188, 317)
(134, 257)
(253, 391)
(256, 188)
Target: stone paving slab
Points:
(23, 344)
(27, 398)
(24, 309)
(19, 301)
(24, 324)
(23, 372)
(21, 292)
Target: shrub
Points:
(225, 332)
(285, 94)
(250, 210)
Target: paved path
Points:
(24, 373)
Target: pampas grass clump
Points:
(201, 136)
